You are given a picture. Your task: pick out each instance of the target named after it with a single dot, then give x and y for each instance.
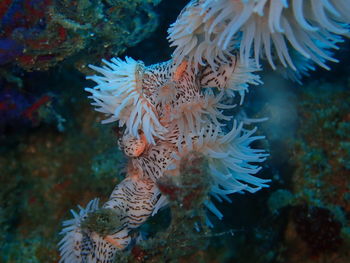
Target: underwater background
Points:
(55, 153)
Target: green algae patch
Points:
(104, 221)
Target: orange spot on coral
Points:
(143, 143)
(180, 71)
(114, 242)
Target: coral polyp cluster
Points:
(158, 134)
(119, 94)
(288, 33)
(168, 111)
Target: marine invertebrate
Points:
(207, 30)
(169, 110)
(232, 162)
(120, 95)
(83, 244)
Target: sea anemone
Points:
(190, 117)
(188, 35)
(166, 93)
(209, 29)
(96, 234)
(174, 108)
(73, 234)
(78, 245)
(132, 146)
(232, 77)
(232, 162)
(120, 95)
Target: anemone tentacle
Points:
(206, 31)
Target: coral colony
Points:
(171, 109)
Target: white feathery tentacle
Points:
(266, 29)
(119, 94)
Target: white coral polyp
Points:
(187, 34)
(232, 77)
(241, 78)
(70, 245)
(263, 28)
(232, 162)
(119, 95)
(192, 116)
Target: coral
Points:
(187, 232)
(54, 154)
(207, 30)
(169, 110)
(153, 152)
